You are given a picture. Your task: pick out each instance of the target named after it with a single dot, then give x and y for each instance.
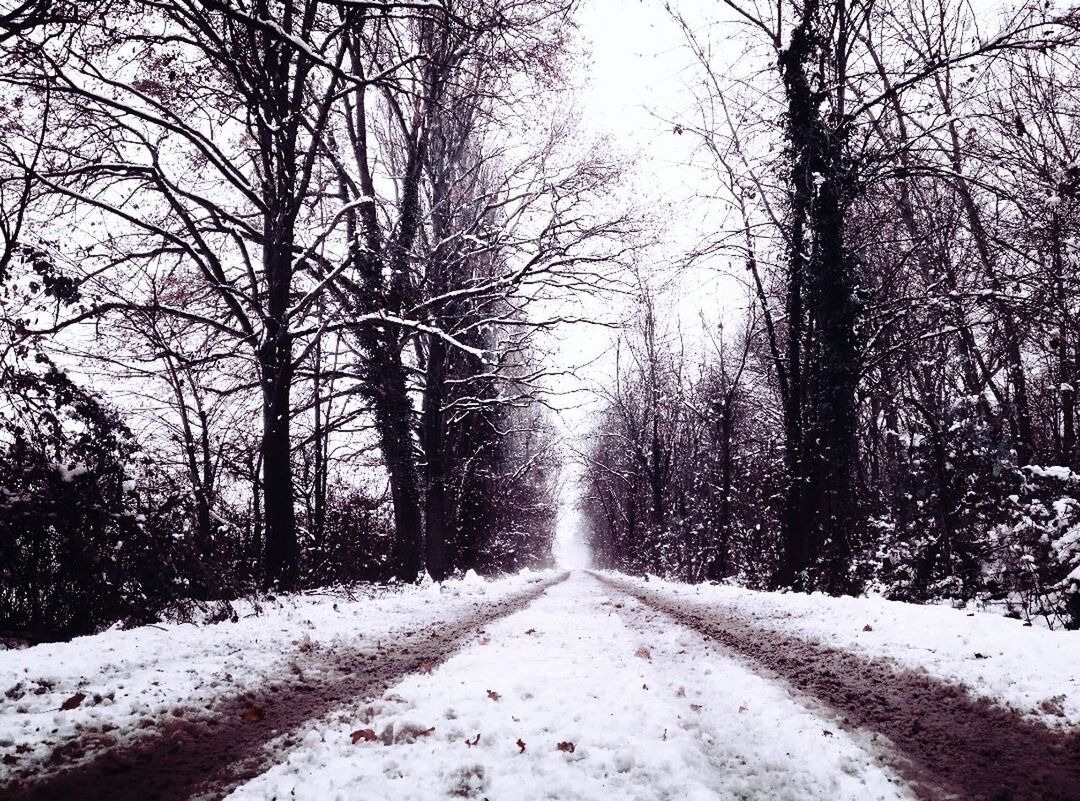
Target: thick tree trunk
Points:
(278, 510)
(436, 535)
(837, 383)
(276, 373)
(392, 407)
(819, 511)
(796, 521)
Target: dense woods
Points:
(279, 276)
(900, 182)
(267, 277)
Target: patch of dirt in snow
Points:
(567, 700)
(942, 736)
(204, 754)
(1027, 668)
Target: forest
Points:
(268, 279)
(280, 280)
(895, 410)
(521, 400)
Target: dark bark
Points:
(823, 363)
(275, 374)
(436, 534)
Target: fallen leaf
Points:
(644, 686)
(494, 696)
(826, 733)
(680, 693)
(566, 746)
(474, 741)
(485, 640)
(367, 735)
(425, 666)
(867, 627)
(697, 707)
(742, 709)
(73, 701)
(253, 714)
(521, 745)
(643, 653)
(531, 631)
(981, 656)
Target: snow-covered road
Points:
(616, 688)
(582, 695)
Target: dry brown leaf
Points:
(494, 696)
(253, 714)
(697, 707)
(680, 693)
(367, 735)
(867, 627)
(521, 745)
(425, 666)
(826, 733)
(485, 640)
(643, 653)
(566, 746)
(474, 741)
(531, 631)
(73, 701)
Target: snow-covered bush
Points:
(76, 551)
(1033, 566)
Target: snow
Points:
(1032, 670)
(1054, 471)
(132, 679)
(652, 709)
(69, 474)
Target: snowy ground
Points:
(120, 684)
(1030, 669)
(651, 709)
(585, 693)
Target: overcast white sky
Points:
(639, 78)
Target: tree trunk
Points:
(719, 568)
(819, 509)
(432, 431)
(393, 412)
(276, 373)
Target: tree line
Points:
(896, 410)
(269, 278)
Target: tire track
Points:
(947, 743)
(206, 760)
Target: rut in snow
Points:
(206, 760)
(945, 742)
